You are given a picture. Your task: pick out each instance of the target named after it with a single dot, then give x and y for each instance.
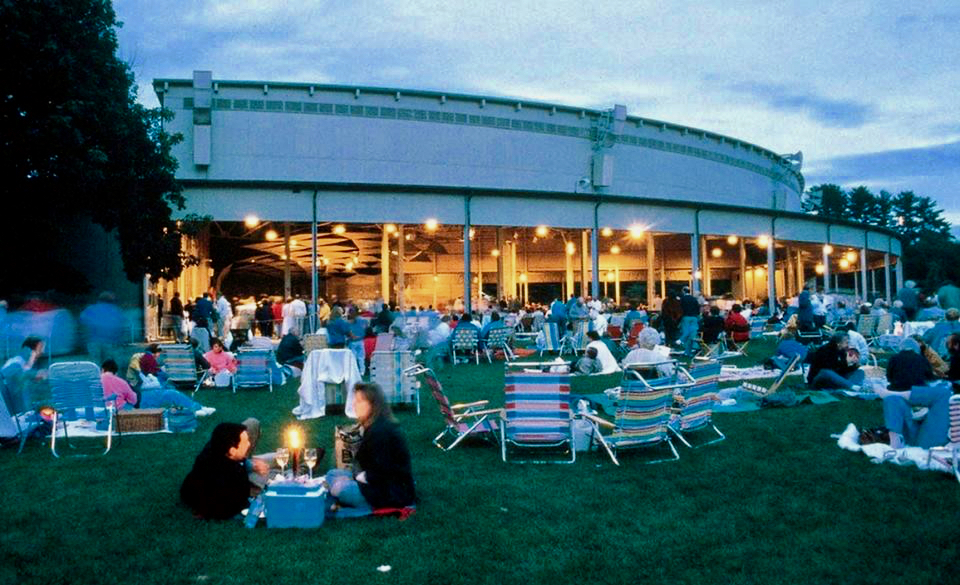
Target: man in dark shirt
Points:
(290, 350)
(176, 317)
(218, 487)
(689, 323)
(830, 367)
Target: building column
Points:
(401, 239)
(694, 262)
(584, 262)
(899, 272)
(801, 276)
(826, 270)
(501, 280)
(789, 277)
(286, 262)
(772, 277)
(651, 282)
(479, 271)
(886, 277)
(568, 252)
(743, 269)
(705, 268)
(385, 265)
(663, 274)
(863, 273)
(467, 276)
(616, 283)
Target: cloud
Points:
(836, 113)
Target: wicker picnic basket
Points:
(144, 420)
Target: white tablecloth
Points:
(323, 366)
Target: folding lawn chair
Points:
(867, 326)
(553, 340)
(387, 369)
(253, 369)
(499, 338)
(466, 339)
(758, 326)
(693, 405)
(384, 342)
(951, 449)
(76, 393)
(772, 389)
(536, 415)
(579, 337)
(181, 367)
(462, 420)
(642, 418)
(635, 328)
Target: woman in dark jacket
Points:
(830, 366)
(218, 486)
(382, 476)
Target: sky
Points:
(869, 91)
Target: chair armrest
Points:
(600, 421)
(478, 413)
(469, 404)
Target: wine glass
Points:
(283, 455)
(310, 458)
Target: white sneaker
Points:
(206, 411)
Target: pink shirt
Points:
(114, 385)
(220, 361)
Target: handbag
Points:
(346, 441)
(877, 435)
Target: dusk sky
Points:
(867, 90)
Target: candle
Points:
(295, 443)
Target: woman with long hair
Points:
(381, 476)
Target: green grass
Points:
(777, 502)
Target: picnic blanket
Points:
(849, 440)
(85, 428)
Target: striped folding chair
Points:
(499, 338)
(466, 339)
(758, 325)
(642, 417)
(867, 326)
(181, 367)
(463, 421)
(554, 339)
(693, 405)
(387, 369)
(579, 339)
(951, 449)
(76, 393)
(773, 388)
(253, 369)
(537, 416)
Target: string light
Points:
(606, 232)
(716, 252)
(339, 229)
(431, 225)
(541, 231)
(827, 249)
(271, 235)
(763, 241)
(732, 240)
(614, 249)
(251, 221)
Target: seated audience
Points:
(608, 363)
(118, 391)
(936, 336)
(736, 325)
(218, 486)
(290, 350)
(646, 353)
(931, 311)
(588, 364)
(222, 364)
(909, 374)
(382, 476)
(713, 326)
(149, 364)
(787, 349)
(831, 367)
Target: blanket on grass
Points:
(849, 440)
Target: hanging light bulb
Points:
(390, 228)
(571, 248)
(606, 232)
(851, 256)
(732, 240)
(541, 231)
(818, 269)
(495, 253)
(636, 231)
(698, 275)
(614, 249)
(339, 229)
(827, 249)
(473, 232)
(716, 252)
(763, 241)
(759, 271)
(251, 221)
(271, 235)
(523, 277)
(431, 225)
(844, 263)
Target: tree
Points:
(861, 205)
(833, 202)
(75, 143)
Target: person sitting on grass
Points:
(382, 476)
(608, 363)
(118, 391)
(149, 364)
(831, 367)
(218, 486)
(589, 364)
(909, 376)
(787, 349)
(953, 373)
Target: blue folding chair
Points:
(253, 369)
(76, 393)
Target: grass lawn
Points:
(777, 502)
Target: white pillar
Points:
(651, 277)
(826, 272)
(863, 273)
(385, 266)
(772, 277)
(694, 262)
(400, 280)
(743, 270)
(886, 277)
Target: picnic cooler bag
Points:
(346, 440)
(293, 505)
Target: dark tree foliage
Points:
(929, 250)
(75, 142)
